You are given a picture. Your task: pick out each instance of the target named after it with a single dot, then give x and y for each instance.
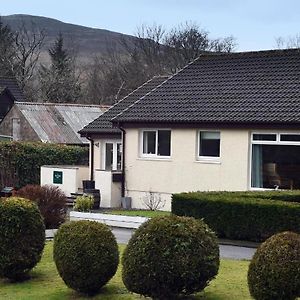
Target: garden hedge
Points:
(20, 162)
(245, 216)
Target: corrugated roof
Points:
(103, 124)
(261, 87)
(59, 123)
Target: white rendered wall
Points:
(182, 172)
(110, 191)
(72, 177)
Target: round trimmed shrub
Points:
(169, 256)
(86, 255)
(274, 271)
(22, 237)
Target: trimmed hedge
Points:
(171, 255)
(22, 237)
(243, 216)
(20, 162)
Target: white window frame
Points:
(276, 142)
(115, 155)
(208, 159)
(155, 155)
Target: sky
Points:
(255, 24)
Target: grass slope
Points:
(46, 284)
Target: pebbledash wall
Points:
(183, 172)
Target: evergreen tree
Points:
(7, 50)
(59, 82)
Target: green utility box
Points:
(58, 177)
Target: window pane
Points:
(290, 137)
(119, 156)
(108, 156)
(209, 143)
(276, 166)
(164, 142)
(149, 141)
(264, 137)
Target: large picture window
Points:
(275, 160)
(209, 144)
(156, 143)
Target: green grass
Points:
(140, 213)
(46, 284)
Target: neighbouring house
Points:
(9, 93)
(106, 145)
(49, 122)
(228, 121)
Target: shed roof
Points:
(59, 123)
(260, 87)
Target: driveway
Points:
(227, 251)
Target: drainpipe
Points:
(123, 161)
(92, 158)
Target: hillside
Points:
(86, 41)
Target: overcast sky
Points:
(254, 23)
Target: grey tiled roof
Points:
(103, 124)
(11, 84)
(237, 88)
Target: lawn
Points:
(140, 213)
(46, 284)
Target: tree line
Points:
(108, 77)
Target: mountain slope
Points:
(86, 41)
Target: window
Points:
(275, 161)
(209, 144)
(156, 143)
(112, 156)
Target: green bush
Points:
(84, 203)
(169, 256)
(274, 272)
(20, 162)
(86, 255)
(51, 200)
(22, 237)
(238, 215)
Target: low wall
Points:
(110, 191)
(110, 220)
(67, 178)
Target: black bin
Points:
(96, 195)
(88, 184)
(7, 191)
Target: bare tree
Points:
(289, 42)
(153, 201)
(28, 43)
(188, 41)
(153, 52)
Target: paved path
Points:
(227, 251)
